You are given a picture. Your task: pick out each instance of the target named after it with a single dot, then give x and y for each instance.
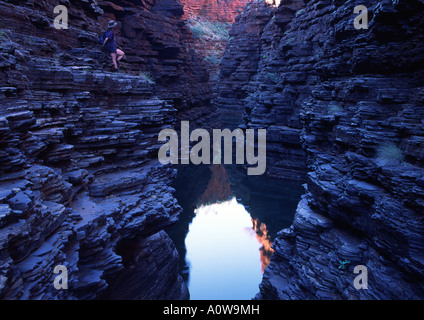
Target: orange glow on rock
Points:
(263, 237)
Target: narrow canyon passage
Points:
(83, 190)
(226, 229)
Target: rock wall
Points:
(80, 184)
(213, 10)
(252, 92)
(160, 47)
(353, 99)
(240, 61)
(209, 22)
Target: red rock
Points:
(213, 10)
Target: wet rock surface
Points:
(350, 103)
(79, 173)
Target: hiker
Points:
(110, 45)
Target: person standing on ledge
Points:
(110, 45)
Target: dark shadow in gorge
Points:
(270, 202)
(190, 184)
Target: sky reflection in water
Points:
(227, 226)
(225, 254)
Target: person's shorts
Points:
(111, 49)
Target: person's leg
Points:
(115, 64)
(120, 54)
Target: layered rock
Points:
(353, 100)
(213, 10)
(240, 61)
(145, 280)
(160, 47)
(251, 91)
(78, 160)
(210, 21)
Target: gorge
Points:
(80, 181)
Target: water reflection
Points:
(265, 240)
(223, 252)
(225, 232)
(218, 188)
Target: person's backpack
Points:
(102, 38)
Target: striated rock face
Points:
(353, 99)
(79, 175)
(209, 22)
(251, 91)
(240, 61)
(153, 272)
(160, 47)
(213, 10)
